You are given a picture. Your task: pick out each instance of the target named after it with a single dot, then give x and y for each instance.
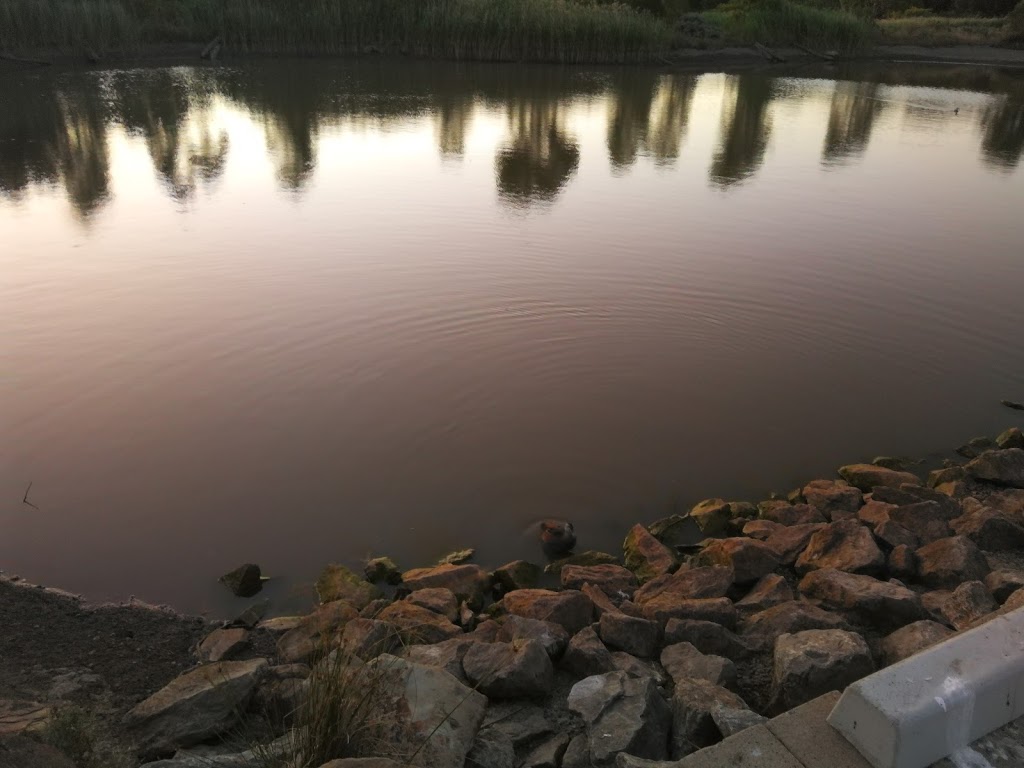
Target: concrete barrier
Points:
(934, 704)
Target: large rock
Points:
(989, 528)
(683, 661)
(947, 563)
(570, 609)
(223, 643)
(902, 563)
(244, 581)
(368, 638)
(809, 664)
(510, 670)
(906, 495)
(1011, 438)
(447, 655)
(892, 535)
(336, 582)
(712, 516)
(845, 546)
(676, 531)
(875, 512)
(925, 519)
(638, 637)
(792, 514)
(771, 590)
(961, 607)
(317, 633)
(611, 579)
(519, 629)
(719, 610)
(879, 603)
(835, 499)
(693, 724)
(1004, 467)
(436, 711)
(622, 714)
(789, 618)
(708, 637)
(748, 558)
(687, 584)
(587, 655)
(789, 542)
(194, 707)
(519, 574)
(908, 640)
(1003, 583)
(760, 529)
(440, 601)
(418, 624)
(547, 754)
(645, 556)
(468, 582)
(603, 603)
(867, 476)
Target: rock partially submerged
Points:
(244, 581)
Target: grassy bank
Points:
(537, 30)
(782, 22)
(942, 31)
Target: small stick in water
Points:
(24, 499)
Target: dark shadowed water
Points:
(296, 312)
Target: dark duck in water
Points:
(557, 538)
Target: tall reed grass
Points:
(781, 22)
(492, 30)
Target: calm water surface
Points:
(296, 312)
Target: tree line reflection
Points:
(57, 132)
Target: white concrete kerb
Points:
(936, 703)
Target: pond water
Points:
(294, 312)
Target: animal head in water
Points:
(557, 537)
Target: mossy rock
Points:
(458, 557)
(382, 569)
(519, 574)
(337, 582)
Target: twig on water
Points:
(24, 499)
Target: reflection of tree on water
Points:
(53, 137)
(172, 113)
(744, 130)
(452, 118)
(540, 157)
(629, 117)
(850, 120)
(1002, 124)
(670, 115)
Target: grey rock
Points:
(1003, 583)
(439, 712)
(491, 750)
(709, 638)
(587, 655)
(517, 629)
(789, 542)
(683, 661)
(622, 714)
(989, 528)
(368, 638)
(634, 667)
(510, 670)
(809, 664)
(639, 637)
(577, 754)
(963, 606)
(731, 720)
(836, 500)
(693, 726)
(194, 707)
(547, 754)
(447, 655)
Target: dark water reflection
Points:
(304, 311)
(56, 130)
